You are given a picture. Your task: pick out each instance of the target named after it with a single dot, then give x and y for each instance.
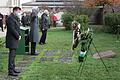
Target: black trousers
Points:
(43, 37)
(33, 48)
(11, 60)
(54, 23)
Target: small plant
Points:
(1, 43)
(39, 22)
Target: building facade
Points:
(53, 4)
(7, 5)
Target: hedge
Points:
(111, 22)
(67, 19)
(83, 20)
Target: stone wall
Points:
(97, 16)
(109, 8)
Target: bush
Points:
(1, 43)
(83, 20)
(67, 19)
(111, 22)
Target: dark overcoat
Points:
(34, 30)
(1, 20)
(44, 21)
(13, 32)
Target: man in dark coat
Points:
(25, 20)
(1, 22)
(34, 31)
(12, 38)
(44, 26)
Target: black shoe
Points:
(44, 43)
(16, 71)
(12, 74)
(72, 48)
(41, 43)
(34, 53)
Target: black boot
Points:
(12, 73)
(15, 71)
(33, 48)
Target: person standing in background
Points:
(12, 38)
(44, 26)
(1, 22)
(6, 16)
(25, 20)
(54, 19)
(34, 31)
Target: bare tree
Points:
(73, 6)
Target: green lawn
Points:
(59, 39)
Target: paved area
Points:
(57, 55)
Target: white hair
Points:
(46, 12)
(79, 25)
